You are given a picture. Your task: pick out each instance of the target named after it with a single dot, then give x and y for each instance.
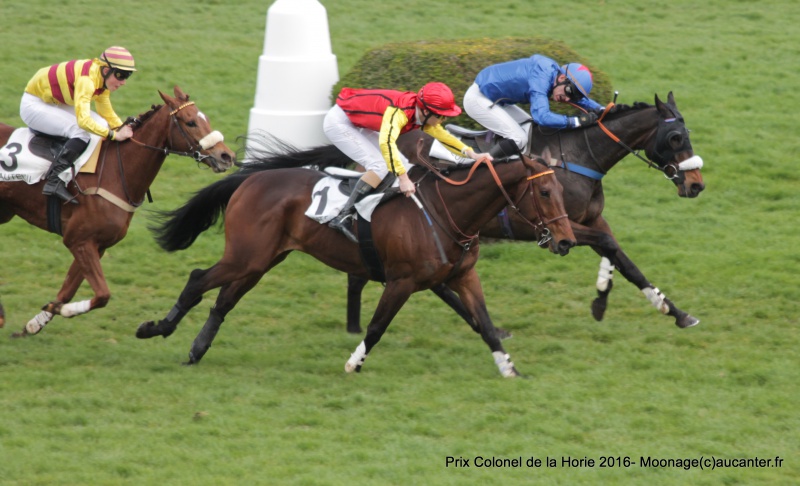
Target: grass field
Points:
(85, 402)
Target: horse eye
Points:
(191, 124)
(545, 194)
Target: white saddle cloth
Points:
(327, 200)
(18, 163)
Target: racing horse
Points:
(264, 213)
(108, 197)
(586, 156)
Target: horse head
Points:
(546, 205)
(191, 133)
(672, 150)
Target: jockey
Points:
(57, 101)
(365, 123)
(491, 100)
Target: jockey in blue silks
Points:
(491, 100)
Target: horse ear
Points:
(167, 99)
(671, 99)
(180, 94)
(546, 156)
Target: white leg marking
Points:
(356, 359)
(76, 308)
(504, 364)
(38, 322)
(605, 274)
(656, 298)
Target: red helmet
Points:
(438, 98)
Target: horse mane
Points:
(139, 120)
(267, 152)
(623, 108)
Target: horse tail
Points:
(179, 228)
(266, 152)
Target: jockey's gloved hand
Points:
(583, 120)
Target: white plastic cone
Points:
(295, 74)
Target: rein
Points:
(194, 151)
(467, 240)
(623, 144)
(131, 206)
(693, 162)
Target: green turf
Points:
(85, 402)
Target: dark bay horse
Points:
(265, 221)
(107, 198)
(590, 153)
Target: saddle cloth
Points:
(328, 198)
(18, 163)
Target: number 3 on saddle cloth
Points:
(329, 197)
(28, 155)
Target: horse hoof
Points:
(145, 330)
(355, 330)
(598, 309)
(687, 321)
(18, 335)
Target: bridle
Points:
(194, 151)
(130, 206)
(663, 155)
(540, 227)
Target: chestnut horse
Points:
(420, 244)
(590, 153)
(108, 198)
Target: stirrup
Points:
(338, 223)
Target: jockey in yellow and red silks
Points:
(58, 101)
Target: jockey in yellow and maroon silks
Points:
(58, 101)
(365, 123)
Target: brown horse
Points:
(107, 198)
(659, 130)
(265, 221)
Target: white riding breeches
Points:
(504, 120)
(58, 120)
(360, 144)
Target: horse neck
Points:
(634, 129)
(136, 165)
(472, 205)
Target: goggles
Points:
(122, 75)
(572, 92)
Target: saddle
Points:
(348, 178)
(46, 146)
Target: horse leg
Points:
(86, 265)
(394, 296)
(601, 240)
(468, 287)
(227, 299)
(451, 298)
(629, 270)
(188, 299)
(355, 285)
(2, 316)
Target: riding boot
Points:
(342, 220)
(505, 148)
(69, 154)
